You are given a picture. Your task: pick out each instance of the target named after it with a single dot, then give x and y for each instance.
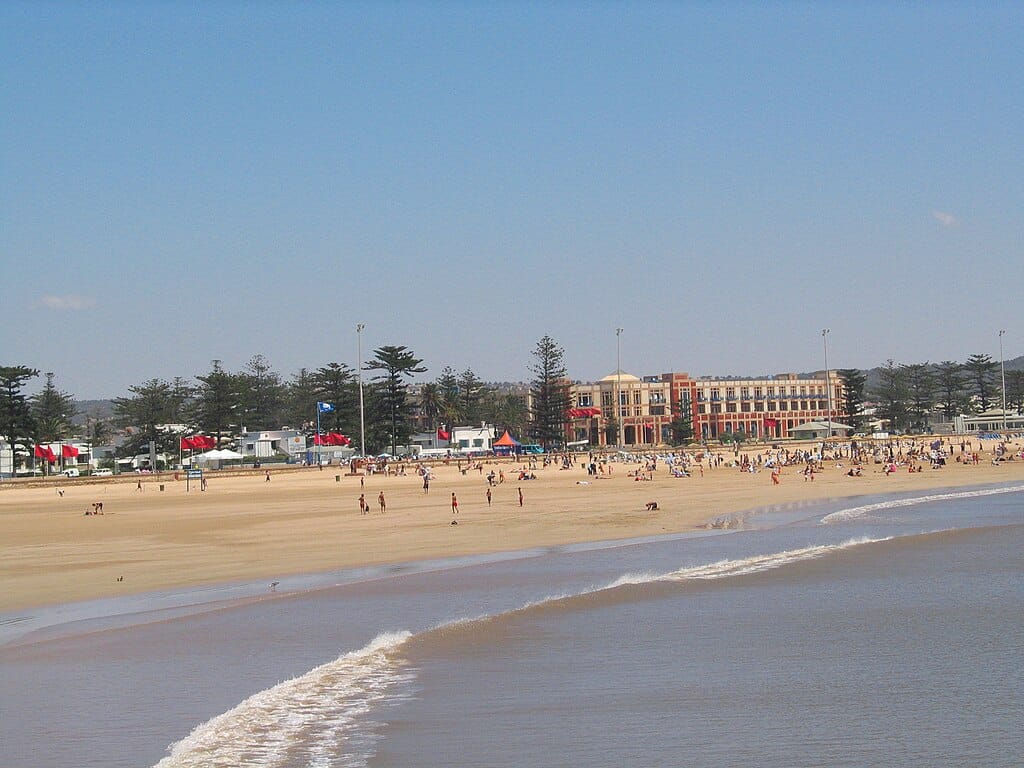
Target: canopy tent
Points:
(506, 444)
(217, 454)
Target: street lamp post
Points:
(618, 384)
(362, 421)
(828, 384)
(1002, 376)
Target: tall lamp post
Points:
(828, 385)
(618, 384)
(362, 421)
(1002, 376)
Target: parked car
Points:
(71, 472)
(102, 472)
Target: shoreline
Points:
(306, 522)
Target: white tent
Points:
(217, 454)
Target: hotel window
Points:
(701, 408)
(782, 405)
(657, 410)
(730, 407)
(636, 397)
(623, 398)
(606, 399)
(745, 406)
(803, 405)
(803, 390)
(772, 407)
(585, 401)
(758, 406)
(730, 392)
(771, 391)
(715, 394)
(744, 392)
(638, 411)
(757, 393)
(716, 407)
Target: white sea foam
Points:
(855, 512)
(754, 564)
(319, 717)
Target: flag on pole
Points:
(325, 407)
(68, 451)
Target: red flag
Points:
(442, 435)
(204, 443)
(187, 444)
(40, 451)
(339, 439)
(68, 451)
(771, 422)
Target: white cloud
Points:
(69, 303)
(945, 219)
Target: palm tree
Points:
(431, 403)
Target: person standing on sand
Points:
(520, 497)
(268, 476)
(775, 476)
(383, 504)
(426, 482)
(455, 505)
(488, 497)
(362, 504)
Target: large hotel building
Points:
(764, 408)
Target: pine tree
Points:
(550, 389)
(920, 392)
(854, 382)
(151, 405)
(950, 382)
(981, 371)
(892, 395)
(53, 412)
(396, 363)
(16, 422)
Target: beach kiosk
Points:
(506, 445)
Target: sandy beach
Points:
(305, 520)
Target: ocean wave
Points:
(321, 717)
(316, 716)
(853, 513)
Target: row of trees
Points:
(220, 402)
(910, 396)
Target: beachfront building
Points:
(765, 408)
(619, 410)
(819, 430)
(467, 439)
(990, 421)
(289, 443)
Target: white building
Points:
(264, 445)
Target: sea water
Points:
(882, 632)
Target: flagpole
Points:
(318, 441)
(359, 372)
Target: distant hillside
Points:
(874, 374)
(93, 409)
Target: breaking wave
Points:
(856, 512)
(318, 718)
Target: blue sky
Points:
(184, 182)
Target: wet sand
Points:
(305, 520)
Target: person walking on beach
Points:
(455, 505)
(363, 506)
(488, 497)
(520, 497)
(426, 482)
(383, 504)
(268, 476)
